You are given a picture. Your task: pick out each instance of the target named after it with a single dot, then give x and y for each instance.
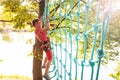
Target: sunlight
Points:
(1, 7)
(25, 3)
(14, 55)
(111, 7)
(117, 5)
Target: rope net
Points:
(77, 37)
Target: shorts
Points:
(49, 54)
(47, 50)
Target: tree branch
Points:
(56, 8)
(68, 13)
(59, 28)
(71, 10)
(5, 20)
(90, 7)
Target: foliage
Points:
(1, 60)
(116, 75)
(6, 37)
(20, 13)
(12, 77)
(63, 16)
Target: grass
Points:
(14, 77)
(1, 60)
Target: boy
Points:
(41, 34)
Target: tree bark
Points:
(37, 52)
(37, 60)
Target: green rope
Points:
(65, 42)
(60, 41)
(103, 35)
(70, 36)
(76, 58)
(85, 38)
(66, 65)
(95, 27)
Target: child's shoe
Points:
(43, 66)
(46, 76)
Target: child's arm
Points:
(47, 25)
(46, 28)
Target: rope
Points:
(103, 36)
(70, 36)
(76, 58)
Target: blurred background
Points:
(17, 39)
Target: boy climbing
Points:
(41, 34)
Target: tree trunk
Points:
(37, 52)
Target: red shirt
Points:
(41, 35)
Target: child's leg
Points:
(45, 61)
(49, 58)
(48, 66)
